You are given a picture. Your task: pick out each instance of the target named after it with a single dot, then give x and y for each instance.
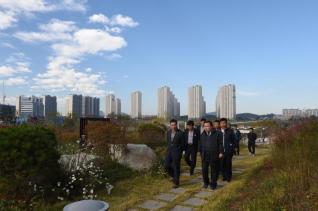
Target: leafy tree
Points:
(28, 162)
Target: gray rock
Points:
(181, 208)
(196, 181)
(169, 197)
(152, 205)
(136, 156)
(178, 190)
(237, 171)
(203, 194)
(195, 202)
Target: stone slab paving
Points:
(241, 157)
(178, 190)
(198, 170)
(203, 194)
(168, 197)
(181, 208)
(237, 171)
(152, 205)
(185, 174)
(195, 202)
(196, 181)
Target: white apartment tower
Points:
(168, 105)
(226, 102)
(29, 107)
(136, 105)
(74, 105)
(196, 103)
(110, 105)
(118, 107)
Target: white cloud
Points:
(55, 30)
(58, 26)
(20, 67)
(7, 45)
(16, 81)
(99, 18)
(12, 10)
(6, 70)
(89, 41)
(61, 74)
(74, 5)
(113, 57)
(7, 19)
(26, 5)
(115, 24)
(16, 63)
(124, 21)
(11, 100)
(70, 45)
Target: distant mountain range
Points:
(250, 116)
(241, 116)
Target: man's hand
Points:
(220, 155)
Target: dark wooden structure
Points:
(84, 122)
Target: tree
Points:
(28, 162)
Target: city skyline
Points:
(267, 49)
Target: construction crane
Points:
(3, 94)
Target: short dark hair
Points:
(173, 121)
(218, 121)
(223, 120)
(203, 120)
(208, 122)
(251, 128)
(190, 123)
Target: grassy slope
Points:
(131, 192)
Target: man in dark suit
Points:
(212, 150)
(176, 145)
(216, 124)
(251, 137)
(238, 139)
(229, 146)
(200, 128)
(192, 137)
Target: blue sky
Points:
(267, 48)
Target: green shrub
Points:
(28, 162)
(152, 134)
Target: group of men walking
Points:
(215, 141)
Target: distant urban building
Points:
(168, 105)
(196, 103)
(74, 104)
(29, 107)
(292, 112)
(50, 107)
(7, 112)
(136, 105)
(118, 107)
(90, 106)
(226, 102)
(289, 113)
(311, 112)
(110, 105)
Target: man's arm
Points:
(220, 143)
(234, 139)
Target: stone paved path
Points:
(186, 200)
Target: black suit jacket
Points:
(211, 144)
(177, 145)
(229, 141)
(196, 139)
(251, 137)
